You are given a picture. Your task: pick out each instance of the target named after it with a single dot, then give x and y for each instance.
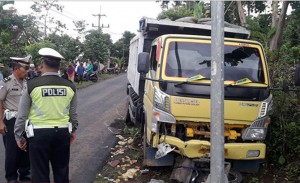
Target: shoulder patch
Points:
(6, 79)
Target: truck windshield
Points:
(187, 59)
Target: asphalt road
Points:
(99, 106)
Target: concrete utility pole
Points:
(99, 18)
(217, 174)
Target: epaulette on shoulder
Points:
(6, 79)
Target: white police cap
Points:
(24, 60)
(50, 53)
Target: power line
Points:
(64, 15)
(114, 33)
(71, 14)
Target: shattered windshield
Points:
(186, 59)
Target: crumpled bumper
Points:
(201, 148)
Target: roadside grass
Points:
(88, 83)
(106, 76)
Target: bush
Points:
(283, 139)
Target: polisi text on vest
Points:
(54, 92)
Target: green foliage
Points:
(34, 48)
(232, 14)
(96, 46)
(15, 31)
(119, 61)
(69, 47)
(293, 171)
(199, 10)
(131, 131)
(283, 141)
(175, 13)
(121, 47)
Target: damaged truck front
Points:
(169, 93)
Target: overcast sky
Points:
(120, 15)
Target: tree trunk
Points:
(274, 13)
(241, 13)
(276, 39)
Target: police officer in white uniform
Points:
(50, 104)
(16, 160)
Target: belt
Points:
(48, 127)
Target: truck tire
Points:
(234, 177)
(127, 119)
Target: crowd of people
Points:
(77, 72)
(35, 133)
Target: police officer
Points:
(16, 160)
(50, 104)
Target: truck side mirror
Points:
(143, 62)
(297, 76)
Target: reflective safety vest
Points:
(51, 96)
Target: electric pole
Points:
(99, 18)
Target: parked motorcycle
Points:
(93, 77)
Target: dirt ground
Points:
(125, 165)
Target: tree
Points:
(235, 10)
(120, 48)
(97, 46)
(80, 26)
(34, 48)
(67, 46)
(241, 13)
(16, 31)
(42, 9)
(119, 60)
(276, 39)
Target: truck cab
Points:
(177, 96)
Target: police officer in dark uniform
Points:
(50, 104)
(16, 160)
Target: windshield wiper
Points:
(193, 78)
(240, 82)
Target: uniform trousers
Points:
(50, 145)
(16, 160)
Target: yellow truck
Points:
(169, 93)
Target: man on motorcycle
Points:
(89, 70)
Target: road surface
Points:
(99, 106)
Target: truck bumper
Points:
(201, 148)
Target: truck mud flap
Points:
(149, 159)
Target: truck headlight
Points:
(161, 116)
(161, 100)
(257, 130)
